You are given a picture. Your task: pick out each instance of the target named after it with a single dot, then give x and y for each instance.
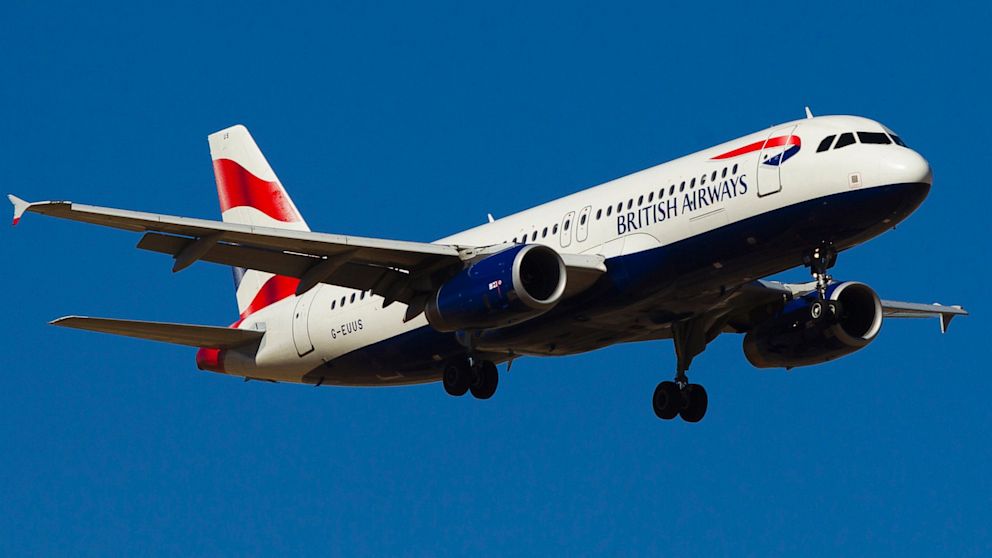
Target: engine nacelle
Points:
(503, 289)
(810, 331)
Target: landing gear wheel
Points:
(485, 378)
(456, 379)
(695, 403)
(816, 310)
(667, 400)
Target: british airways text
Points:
(670, 208)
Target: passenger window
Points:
(619, 207)
(609, 211)
(661, 193)
(582, 220)
(898, 140)
(724, 173)
(640, 201)
(334, 304)
(650, 197)
(713, 176)
(825, 144)
(352, 298)
(702, 180)
(342, 301)
(630, 203)
(362, 297)
(874, 137)
(554, 229)
(845, 139)
(567, 223)
(533, 237)
(544, 233)
(734, 171)
(599, 213)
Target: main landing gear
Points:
(679, 397)
(478, 376)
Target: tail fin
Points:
(250, 193)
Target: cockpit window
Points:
(825, 144)
(874, 137)
(898, 140)
(844, 140)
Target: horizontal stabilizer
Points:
(211, 337)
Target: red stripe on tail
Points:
(275, 289)
(236, 187)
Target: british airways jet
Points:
(677, 251)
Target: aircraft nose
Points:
(905, 166)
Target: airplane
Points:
(678, 251)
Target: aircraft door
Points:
(780, 145)
(582, 228)
(301, 317)
(566, 229)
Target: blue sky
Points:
(412, 121)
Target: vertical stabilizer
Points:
(250, 193)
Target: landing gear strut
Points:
(679, 397)
(819, 261)
(478, 376)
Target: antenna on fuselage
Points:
(809, 113)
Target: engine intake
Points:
(810, 331)
(506, 288)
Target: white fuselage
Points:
(647, 210)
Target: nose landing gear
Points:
(819, 261)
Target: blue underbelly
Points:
(682, 277)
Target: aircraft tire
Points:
(696, 402)
(485, 380)
(456, 378)
(667, 400)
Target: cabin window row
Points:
(671, 191)
(356, 296)
(553, 229)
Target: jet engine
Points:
(506, 288)
(809, 330)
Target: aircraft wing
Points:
(394, 269)
(896, 309)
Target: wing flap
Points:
(349, 275)
(211, 337)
